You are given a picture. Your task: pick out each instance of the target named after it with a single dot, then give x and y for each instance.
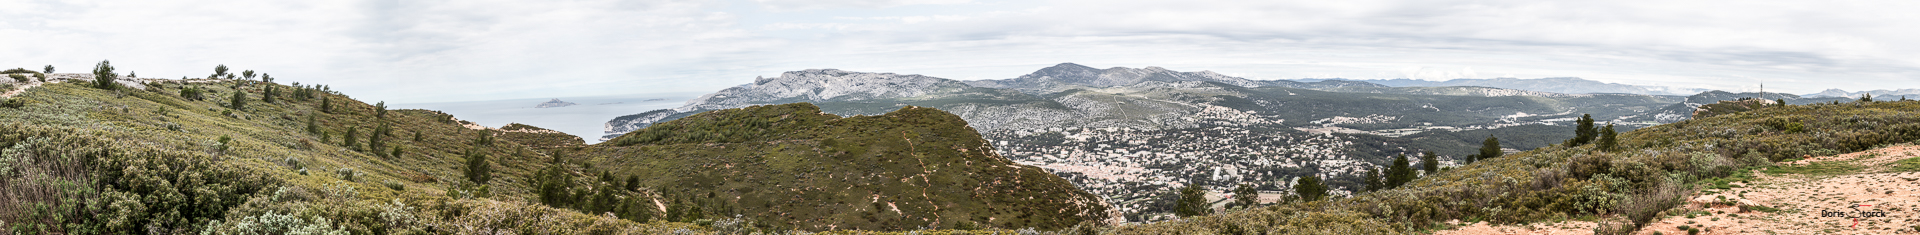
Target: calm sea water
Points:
(587, 120)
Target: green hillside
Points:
(1648, 171)
(86, 160)
(795, 167)
(182, 156)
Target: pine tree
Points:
(1309, 188)
(1246, 196)
(326, 106)
(1373, 180)
(1584, 133)
(483, 138)
(1193, 202)
(676, 211)
(352, 138)
(1430, 163)
(1400, 172)
(397, 150)
(552, 185)
(1472, 157)
(1608, 138)
(380, 110)
(103, 75)
(219, 71)
(49, 69)
(1491, 148)
(376, 143)
(312, 126)
(1783, 102)
(239, 100)
(247, 74)
(417, 137)
(1866, 97)
(639, 211)
(478, 170)
(268, 95)
(633, 183)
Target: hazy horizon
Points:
(419, 52)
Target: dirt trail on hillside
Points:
(1805, 203)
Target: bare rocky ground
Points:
(1783, 203)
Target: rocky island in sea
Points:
(555, 103)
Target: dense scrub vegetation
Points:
(1647, 172)
(268, 158)
(80, 158)
(539, 137)
(793, 167)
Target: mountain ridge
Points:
(1567, 85)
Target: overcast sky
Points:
(435, 51)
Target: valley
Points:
(1133, 135)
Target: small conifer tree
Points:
(1373, 180)
(1193, 202)
(326, 106)
(313, 127)
(268, 95)
(1866, 97)
(103, 75)
(1491, 148)
(1245, 196)
(478, 170)
(380, 110)
(247, 74)
(633, 183)
(1608, 138)
(239, 100)
(220, 71)
(49, 69)
(376, 143)
(352, 138)
(1430, 162)
(1309, 188)
(1400, 172)
(1584, 132)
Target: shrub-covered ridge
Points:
(792, 166)
(1648, 172)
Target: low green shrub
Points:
(1817, 168)
(1906, 165)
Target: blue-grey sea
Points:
(587, 119)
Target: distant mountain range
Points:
(1130, 134)
(1568, 85)
(1882, 94)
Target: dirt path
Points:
(1800, 203)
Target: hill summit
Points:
(797, 166)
